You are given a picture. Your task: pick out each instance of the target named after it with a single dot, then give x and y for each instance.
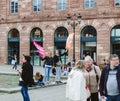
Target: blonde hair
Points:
(49, 54)
(80, 64)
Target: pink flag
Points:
(40, 49)
(69, 41)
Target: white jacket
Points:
(76, 86)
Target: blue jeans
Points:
(58, 73)
(47, 73)
(113, 98)
(24, 92)
(15, 66)
(39, 83)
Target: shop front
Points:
(13, 45)
(88, 42)
(37, 35)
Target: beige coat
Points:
(91, 78)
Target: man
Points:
(110, 80)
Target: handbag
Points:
(13, 62)
(20, 82)
(88, 92)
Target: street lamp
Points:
(73, 24)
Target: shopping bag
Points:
(13, 62)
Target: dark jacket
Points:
(57, 58)
(48, 60)
(27, 74)
(41, 78)
(104, 78)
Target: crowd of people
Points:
(103, 83)
(86, 81)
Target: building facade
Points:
(21, 21)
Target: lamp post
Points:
(73, 24)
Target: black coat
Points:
(48, 60)
(27, 74)
(57, 58)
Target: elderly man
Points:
(92, 75)
(110, 80)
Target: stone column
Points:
(103, 41)
(24, 44)
(3, 45)
(48, 38)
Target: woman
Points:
(48, 66)
(57, 64)
(39, 79)
(76, 85)
(92, 74)
(27, 77)
(15, 62)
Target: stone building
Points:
(45, 21)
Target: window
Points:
(115, 32)
(61, 4)
(117, 3)
(36, 5)
(89, 3)
(14, 6)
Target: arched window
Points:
(36, 33)
(14, 6)
(88, 42)
(61, 4)
(115, 31)
(117, 3)
(89, 3)
(88, 31)
(61, 32)
(13, 44)
(13, 33)
(115, 40)
(60, 37)
(37, 5)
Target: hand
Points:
(66, 51)
(19, 72)
(103, 97)
(53, 67)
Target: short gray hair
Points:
(88, 58)
(113, 56)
